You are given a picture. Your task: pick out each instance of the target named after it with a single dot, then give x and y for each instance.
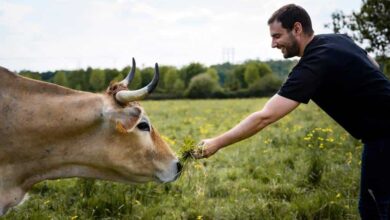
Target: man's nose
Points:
(274, 44)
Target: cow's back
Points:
(32, 111)
(7, 82)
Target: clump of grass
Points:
(188, 149)
(315, 170)
(187, 152)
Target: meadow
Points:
(303, 167)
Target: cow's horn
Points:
(128, 96)
(129, 76)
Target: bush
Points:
(202, 86)
(267, 85)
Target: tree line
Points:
(253, 78)
(370, 26)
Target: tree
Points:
(178, 86)
(111, 75)
(190, 71)
(97, 80)
(238, 72)
(251, 73)
(223, 70)
(213, 74)
(371, 24)
(170, 78)
(232, 83)
(161, 84)
(254, 70)
(266, 85)
(264, 69)
(202, 86)
(31, 75)
(86, 80)
(281, 67)
(76, 79)
(147, 76)
(60, 79)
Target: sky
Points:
(47, 35)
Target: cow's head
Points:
(51, 132)
(138, 153)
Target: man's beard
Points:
(292, 50)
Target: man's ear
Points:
(125, 119)
(297, 28)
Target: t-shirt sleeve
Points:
(303, 81)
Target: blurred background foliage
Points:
(253, 78)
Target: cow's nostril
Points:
(179, 167)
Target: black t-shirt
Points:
(338, 76)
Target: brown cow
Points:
(50, 132)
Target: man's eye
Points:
(143, 126)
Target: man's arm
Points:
(276, 108)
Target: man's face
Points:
(283, 40)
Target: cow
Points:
(52, 132)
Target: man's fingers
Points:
(199, 152)
(200, 144)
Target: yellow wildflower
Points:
(349, 158)
(169, 140)
(198, 166)
(330, 139)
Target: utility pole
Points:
(228, 55)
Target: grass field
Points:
(302, 167)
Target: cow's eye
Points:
(143, 126)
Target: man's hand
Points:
(205, 149)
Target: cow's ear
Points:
(126, 119)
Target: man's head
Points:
(290, 28)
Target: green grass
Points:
(302, 167)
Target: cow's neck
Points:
(41, 126)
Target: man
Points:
(345, 82)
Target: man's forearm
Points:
(246, 128)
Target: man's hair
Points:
(289, 14)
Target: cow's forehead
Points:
(111, 104)
(112, 110)
(132, 111)
(135, 103)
